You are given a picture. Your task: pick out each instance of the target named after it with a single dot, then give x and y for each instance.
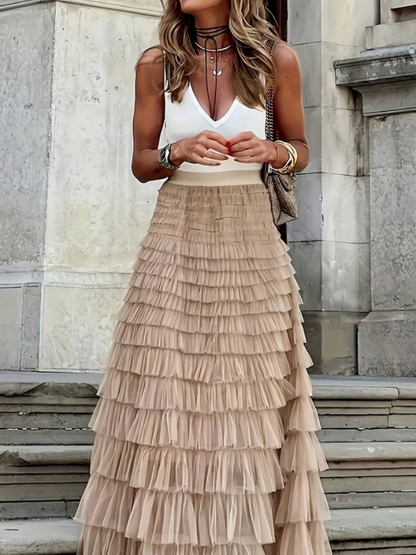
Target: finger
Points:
(214, 155)
(215, 145)
(243, 145)
(249, 160)
(205, 161)
(250, 152)
(217, 137)
(243, 136)
(205, 152)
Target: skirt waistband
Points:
(216, 178)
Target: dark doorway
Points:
(278, 15)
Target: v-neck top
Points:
(187, 118)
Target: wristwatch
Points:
(164, 158)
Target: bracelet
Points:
(291, 162)
(290, 148)
(163, 158)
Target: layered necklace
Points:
(210, 33)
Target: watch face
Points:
(167, 154)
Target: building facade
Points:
(72, 214)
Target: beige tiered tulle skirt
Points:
(205, 429)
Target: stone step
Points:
(383, 531)
(390, 523)
(368, 452)
(369, 475)
(41, 537)
(41, 409)
(42, 481)
(362, 410)
(353, 532)
(47, 409)
(39, 455)
(48, 481)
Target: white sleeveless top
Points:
(188, 118)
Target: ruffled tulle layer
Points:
(205, 429)
(205, 367)
(149, 392)
(236, 471)
(304, 538)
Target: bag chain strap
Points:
(271, 134)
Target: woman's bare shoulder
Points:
(150, 64)
(285, 59)
(152, 55)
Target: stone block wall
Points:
(73, 214)
(330, 241)
(386, 78)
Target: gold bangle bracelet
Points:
(286, 168)
(292, 160)
(290, 148)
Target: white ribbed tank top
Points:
(187, 118)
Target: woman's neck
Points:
(205, 20)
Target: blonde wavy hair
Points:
(250, 30)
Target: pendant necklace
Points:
(210, 33)
(217, 72)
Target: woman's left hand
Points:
(247, 148)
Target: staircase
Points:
(369, 438)
(368, 433)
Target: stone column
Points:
(386, 78)
(330, 241)
(71, 215)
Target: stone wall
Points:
(26, 40)
(330, 241)
(73, 213)
(386, 78)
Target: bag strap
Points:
(164, 70)
(271, 133)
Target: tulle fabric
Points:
(205, 429)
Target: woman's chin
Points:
(193, 7)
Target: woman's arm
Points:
(148, 117)
(289, 116)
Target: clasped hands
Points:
(210, 148)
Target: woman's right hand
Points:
(200, 149)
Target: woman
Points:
(205, 429)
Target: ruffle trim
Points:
(210, 308)
(209, 265)
(149, 392)
(177, 518)
(212, 279)
(303, 499)
(249, 324)
(302, 451)
(196, 343)
(298, 538)
(100, 541)
(190, 291)
(236, 471)
(302, 538)
(214, 249)
(207, 368)
(240, 430)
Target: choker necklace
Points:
(210, 33)
(213, 49)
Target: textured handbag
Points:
(280, 186)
